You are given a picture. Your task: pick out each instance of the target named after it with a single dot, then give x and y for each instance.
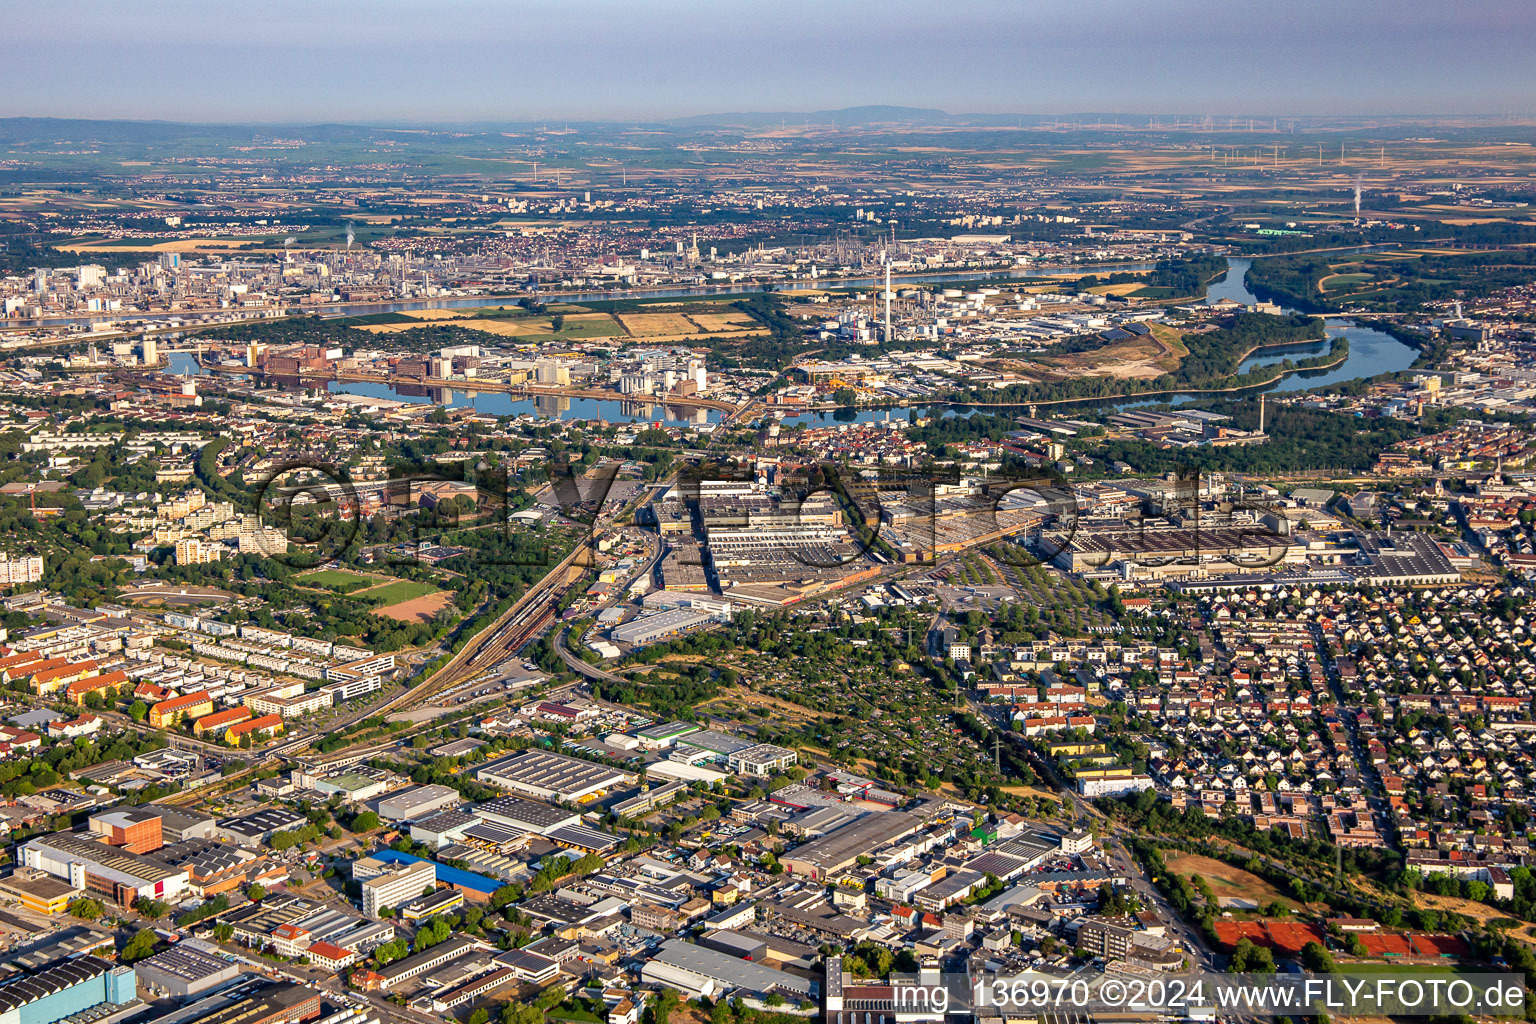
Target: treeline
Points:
(1296, 281)
(1211, 364)
(1299, 440)
(1216, 354)
(1182, 278)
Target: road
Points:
(562, 643)
(1200, 955)
(503, 638)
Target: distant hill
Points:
(840, 118)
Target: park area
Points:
(393, 598)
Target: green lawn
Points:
(1345, 282)
(400, 590)
(1353, 967)
(336, 579)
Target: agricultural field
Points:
(647, 325)
(720, 322)
(567, 322)
(182, 245)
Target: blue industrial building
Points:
(64, 989)
(456, 877)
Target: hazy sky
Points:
(450, 60)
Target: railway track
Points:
(503, 639)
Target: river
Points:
(497, 403)
(1371, 352)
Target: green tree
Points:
(141, 946)
(86, 908)
(1317, 959)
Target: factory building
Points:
(699, 971)
(135, 829)
(547, 776)
(182, 972)
(65, 989)
(103, 870)
(836, 850)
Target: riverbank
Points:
(1332, 363)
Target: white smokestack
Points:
(887, 301)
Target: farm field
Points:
(184, 245)
(713, 322)
(641, 325)
(577, 324)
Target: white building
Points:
(397, 884)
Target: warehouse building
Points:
(547, 776)
(1172, 550)
(273, 1002)
(649, 629)
(65, 989)
(698, 971)
(256, 828)
(418, 802)
(135, 829)
(664, 734)
(401, 971)
(835, 851)
(1404, 559)
(181, 972)
(103, 870)
(38, 891)
(177, 825)
(525, 815)
(442, 828)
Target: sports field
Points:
(396, 592)
(337, 579)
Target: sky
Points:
(396, 61)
